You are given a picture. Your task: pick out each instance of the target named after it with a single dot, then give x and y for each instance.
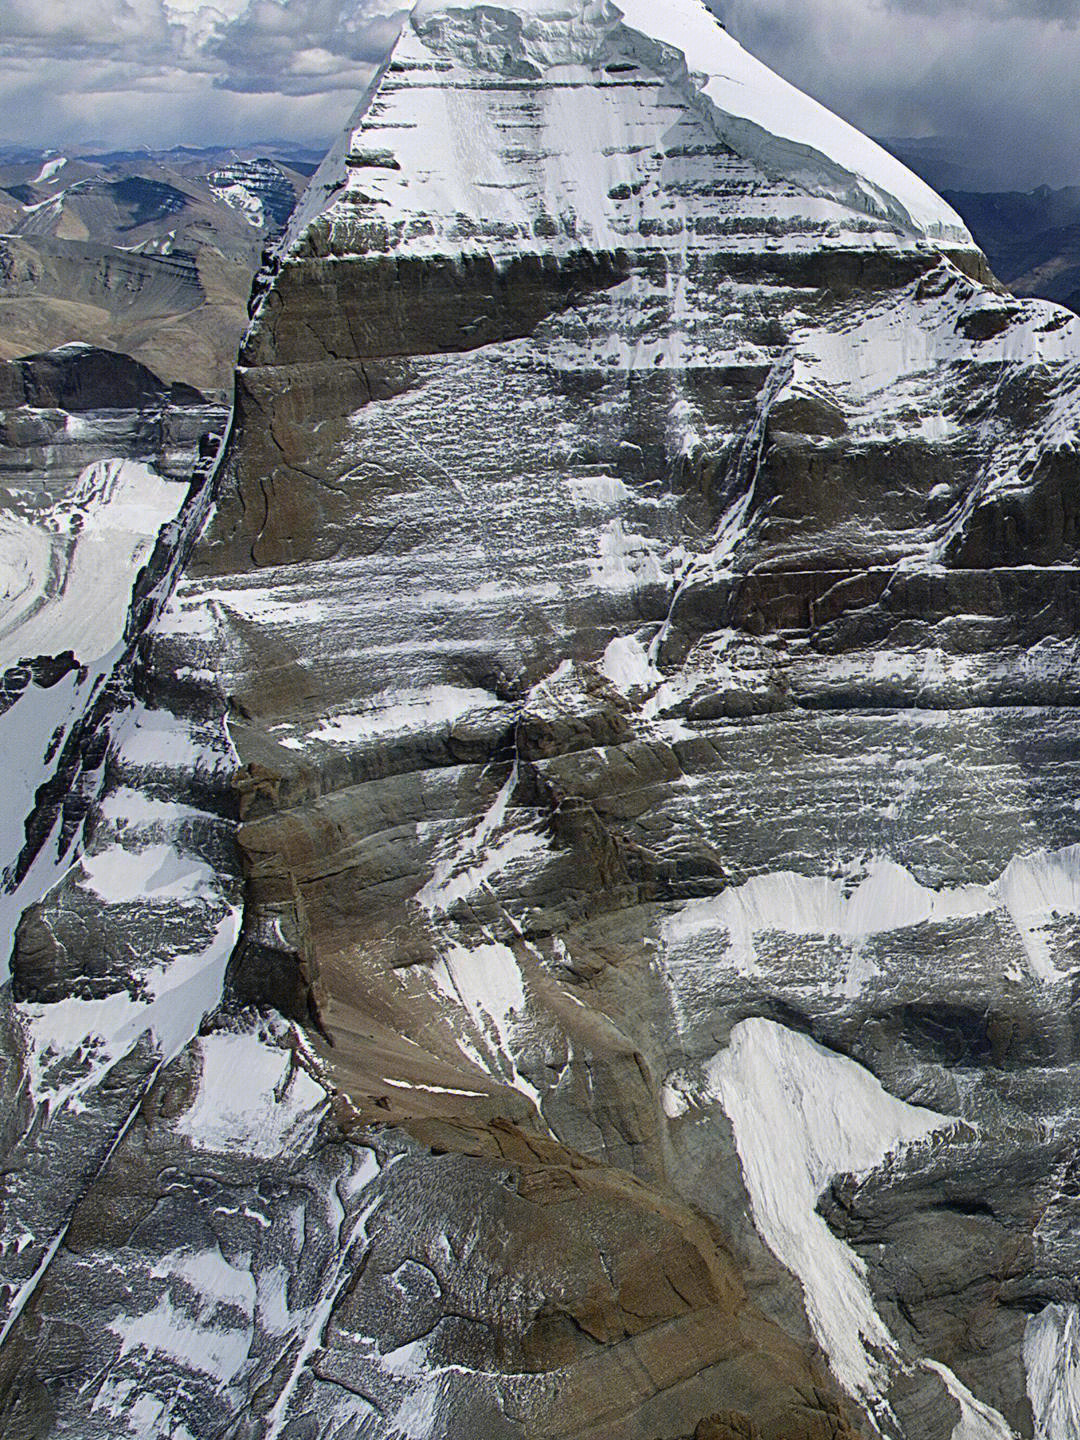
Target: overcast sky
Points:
(998, 76)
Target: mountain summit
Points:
(581, 143)
(559, 921)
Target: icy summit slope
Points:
(575, 936)
(748, 107)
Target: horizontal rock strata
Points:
(628, 676)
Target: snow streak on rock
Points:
(1035, 892)
(977, 1421)
(1052, 1359)
(803, 1116)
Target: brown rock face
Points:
(582, 564)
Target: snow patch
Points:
(400, 713)
(1033, 891)
(601, 492)
(253, 1099)
(1052, 1361)
(977, 1421)
(50, 170)
(72, 1045)
(429, 1089)
(32, 731)
(209, 1274)
(802, 1115)
(238, 197)
(128, 808)
(487, 982)
(417, 1415)
(66, 576)
(157, 873)
(476, 857)
(261, 604)
(626, 561)
(187, 1339)
(627, 665)
(158, 739)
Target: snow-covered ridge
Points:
(561, 46)
(767, 120)
(259, 189)
(66, 573)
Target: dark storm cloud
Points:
(1065, 12)
(997, 78)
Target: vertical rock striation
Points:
(628, 677)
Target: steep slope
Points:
(633, 656)
(98, 458)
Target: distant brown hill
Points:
(149, 254)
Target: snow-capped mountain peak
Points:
(679, 43)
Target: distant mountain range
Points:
(1032, 239)
(146, 252)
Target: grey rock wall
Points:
(575, 936)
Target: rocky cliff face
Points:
(574, 931)
(100, 465)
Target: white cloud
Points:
(299, 47)
(172, 71)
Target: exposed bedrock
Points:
(630, 672)
(77, 378)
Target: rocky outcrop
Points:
(1030, 238)
(627, 677)
(102, 466)
(78, 378)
